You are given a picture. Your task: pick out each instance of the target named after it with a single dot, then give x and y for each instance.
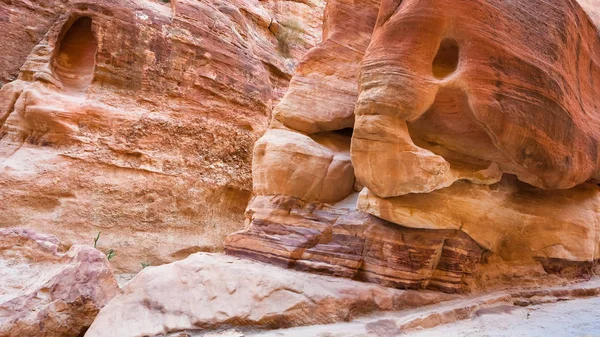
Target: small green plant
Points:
(289, 33)
(96, 239)
(145, 264)
(166, 1)
(110, 254)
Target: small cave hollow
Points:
(75, 61)
(345, 132)
(446, 60)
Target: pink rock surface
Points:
(47, 292)
(207, 291)
(476, 116)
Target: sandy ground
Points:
(575, 318)
(123, 279)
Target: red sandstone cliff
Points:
(137, 118)
(473, 133)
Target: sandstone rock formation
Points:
(46, 292)
(216, 290)
(472, 104)
(512, 219)
(314, 237)
(306, 153)
(137, 118)
(494, 307)
(474, 127)
(473, 108)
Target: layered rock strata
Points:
(453, 132)
(137, 118)
(339, 242)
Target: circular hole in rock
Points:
(76, 58)
(446, 59)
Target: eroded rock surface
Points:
(432, 113)
(207, 291)
(479, 119)
(137, 118)
(473, 108)
(306, 153)
(512, 219)
(339, 242)
(47, 292)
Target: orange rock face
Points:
(137, 119)
(470, 100)
(479, 118)
(306, 153)
(474, 108)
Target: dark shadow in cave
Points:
(446, 59)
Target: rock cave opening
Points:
(446, 59)
(345, 132)
(75, 61)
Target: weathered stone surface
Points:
(46, 292)
(323, 91)
(475, 123)
(315, 167)
(448, 91)
(24, 24)
(306, 152)
(480, 311)
(207, 291)
(137, 118)
(317, 238)
(515, 220)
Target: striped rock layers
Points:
(317, 238)
(137, 118)
(474, 129)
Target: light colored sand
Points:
(350, 201)
(576, 318)
(123, 279)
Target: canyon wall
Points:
(137, 118)
(470, 131)
(417, 143)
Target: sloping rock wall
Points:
(213, 291)
(137, 118)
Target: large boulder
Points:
(209, 291)
(318, 238)
(47, 292)
(512, 219)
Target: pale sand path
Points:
(575, 318)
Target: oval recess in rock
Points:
(76, 58)
(446, 59)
